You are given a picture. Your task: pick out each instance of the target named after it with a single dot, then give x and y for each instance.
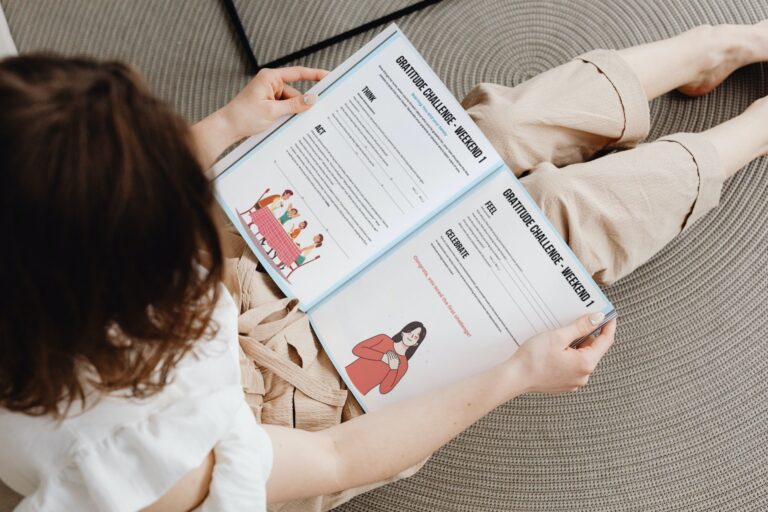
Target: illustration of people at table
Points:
(275, 236)
(382, 361)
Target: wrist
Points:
(513, 375)
(224, 121)
(498, 385)
(212, 135)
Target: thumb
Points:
(581, 327)
(295, 105)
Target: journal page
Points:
(458, 296)
(324, 193)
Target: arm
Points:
(266, 98)
(365, 349)
(378, 445)
(381, 444)
(212, 135)
(392, 378)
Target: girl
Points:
(382, 361)
(119, 381)
(119, 376)
(317, 241)
(295, 230)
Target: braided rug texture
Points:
(676, 415)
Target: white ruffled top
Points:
(122, 454)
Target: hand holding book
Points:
(551, 365)
(266, 98)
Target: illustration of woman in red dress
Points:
(382, 361)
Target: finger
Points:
(581, 327)
(603, 330)
(600, 345)
(294, 105)
(593, 352)
(586, 343)
(296, 73)
(289, 92)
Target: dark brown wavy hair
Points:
(110, 257)
(410, 327)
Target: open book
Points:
(418, 256)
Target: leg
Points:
(599, 100)
(696, 61)
(617, 211)
(564, 115)
(740, 140)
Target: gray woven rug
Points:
(676, 416)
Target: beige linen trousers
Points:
(615, 212)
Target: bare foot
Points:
(738, 46)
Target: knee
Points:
(586, 224)
(549, 187)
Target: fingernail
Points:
(310, 99)
(596, 318)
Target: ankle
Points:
(704, 51)
(719, 44)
